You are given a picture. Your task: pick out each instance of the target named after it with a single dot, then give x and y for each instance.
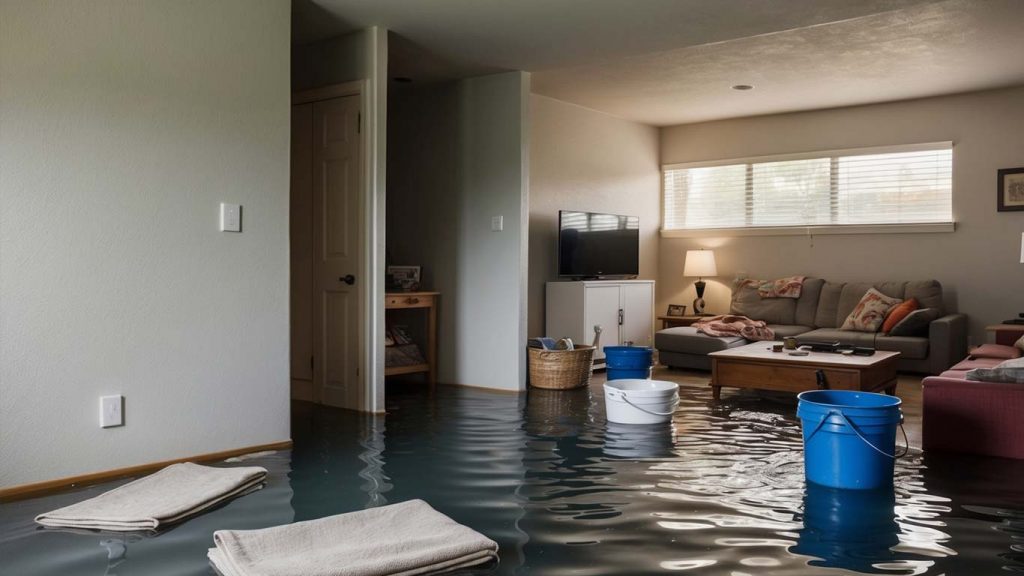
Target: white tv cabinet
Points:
(623, 308)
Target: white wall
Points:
(459, 156)
(979, 264)
(124, 124)
(585, 160)
(361, 56)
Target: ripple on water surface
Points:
(719, 490)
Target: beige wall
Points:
(979, 264)
(125, 124)
(581, 159)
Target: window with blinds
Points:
(881, 186)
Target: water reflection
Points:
(853, 529)
(718, 491)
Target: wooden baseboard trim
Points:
(41, 488)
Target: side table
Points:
(1006, 334)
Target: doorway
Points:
(328, 295)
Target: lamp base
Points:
(698, 302)
(698, 306)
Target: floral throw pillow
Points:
(870, 312)
(1020, 343)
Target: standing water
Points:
(718, 491)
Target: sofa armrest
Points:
(972, 417)
(947, 342)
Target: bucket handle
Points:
(906, 441)
(652, 412)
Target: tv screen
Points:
(591, 245)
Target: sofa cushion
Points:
(996, 351)
(1019, 343)
(828, 304)
(958, 374)
(869, 313)
(787, 330)
(842, 336)
(916, 323)
(972, 363)
(907, 346)
(807, 304)
(891, 289)
(686, 339)
(927, 292)
(1009, 371)
(747, 302)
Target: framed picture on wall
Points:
(676, 310)
(1011, 189)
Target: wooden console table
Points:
(426, 301)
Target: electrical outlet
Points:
(230, 217)
(111, 411)
(497, 223)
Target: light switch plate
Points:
(230, 217)
(111, 411)
(497, 223)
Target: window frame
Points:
(800, 230)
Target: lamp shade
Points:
(700, 263)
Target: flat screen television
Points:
(593, 245)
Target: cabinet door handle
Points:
(622, 316)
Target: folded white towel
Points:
(397, 540)
(170, 495)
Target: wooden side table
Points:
(673, 321)
(1006, 334)
(426, 301)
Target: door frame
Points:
(371, 202)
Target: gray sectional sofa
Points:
(818, 314)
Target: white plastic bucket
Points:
(632, 401)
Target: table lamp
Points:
(700, 263)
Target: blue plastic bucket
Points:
(849, 437)
(625, 362)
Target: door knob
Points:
(348, 279)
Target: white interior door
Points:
(337, 236)
(637, 323)
(602, 308)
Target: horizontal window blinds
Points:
(901, 187)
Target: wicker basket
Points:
(561, 369)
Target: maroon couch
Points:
(961, 415)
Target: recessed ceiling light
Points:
(743, 87)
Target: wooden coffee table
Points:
(756, 366)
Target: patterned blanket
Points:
(789, 287)
(731, 325)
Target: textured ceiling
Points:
(666, 62)
(944, 48)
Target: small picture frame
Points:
(1011, 189)
(676, 310)
(404, 278)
